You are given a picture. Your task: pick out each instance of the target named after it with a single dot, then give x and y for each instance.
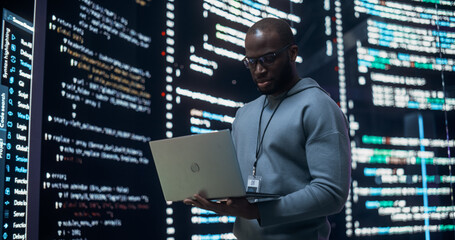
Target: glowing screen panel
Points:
(117, 75)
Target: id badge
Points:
(254, 183)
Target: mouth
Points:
(263, 84)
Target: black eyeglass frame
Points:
(251, 62)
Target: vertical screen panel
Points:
(16, 65)
(99, 83)
(398, 97)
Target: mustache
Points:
(261, 79)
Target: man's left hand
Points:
(239, 207)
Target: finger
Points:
(201, 202)
(219, 208)
(206, 203)
(193, 202)
(188, 201)
(201, 199)
(196, 204)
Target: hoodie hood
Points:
(301, 85)
(304, 84)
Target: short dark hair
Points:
(276, 25)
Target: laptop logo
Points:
(195, 167)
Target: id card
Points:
(254, 183)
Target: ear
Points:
(293, 51)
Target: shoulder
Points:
(319, 102)
(313, 99)
(320, 113)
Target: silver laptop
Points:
(203, 163)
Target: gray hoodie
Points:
(305, 156)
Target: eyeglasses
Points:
(265, 60)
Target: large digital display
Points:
(100, 107)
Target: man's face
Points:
(274, 78)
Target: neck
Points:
(288, 86)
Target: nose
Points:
(259, 69)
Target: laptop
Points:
(203, 163)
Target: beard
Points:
(280, 83)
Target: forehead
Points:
(261, 42)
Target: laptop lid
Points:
(203, 163)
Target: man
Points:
(292, 141)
